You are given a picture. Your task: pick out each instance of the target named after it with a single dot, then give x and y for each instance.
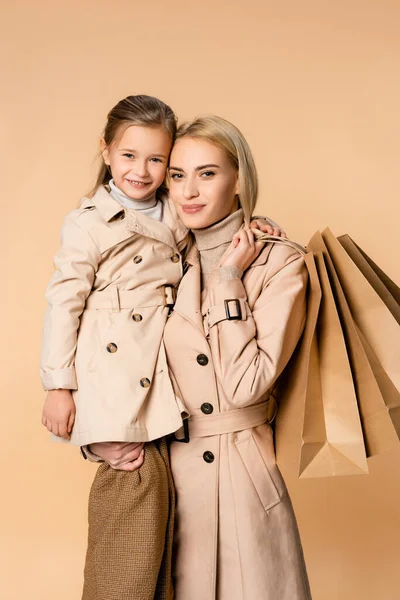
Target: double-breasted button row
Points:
(111, 347)
(208, 456)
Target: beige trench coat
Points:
(107, 308)
(236, 533)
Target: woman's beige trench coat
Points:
(107, 307)
(236, 534)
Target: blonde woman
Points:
(238, 316)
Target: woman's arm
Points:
(76, 264)
(249, 353)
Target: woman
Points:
(237, 319)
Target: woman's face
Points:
(203, 182)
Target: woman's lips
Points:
(192, 208)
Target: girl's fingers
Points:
(49, 425)
(63, 431)
(54, 429)
(71, 421)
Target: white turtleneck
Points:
(152, 207)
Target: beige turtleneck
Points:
(213, 241)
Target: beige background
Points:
(314, 86)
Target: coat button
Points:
(207, 408)
(112, 348)
(202, 360)
(137, 259)
(208, 456)
(136, 317)
(175, 258)
(145, 382)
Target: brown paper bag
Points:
(371, 315)
(375, 393)
(318, 429)
(386, 289)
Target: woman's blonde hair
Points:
(222, 133)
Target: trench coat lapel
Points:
(188, 301)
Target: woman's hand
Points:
(265, 227)
(59, 413)
(122, 456)
(244, 250)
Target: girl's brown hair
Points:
(135, 110)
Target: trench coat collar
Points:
(105, 204)
(188, 302)
(170, 231)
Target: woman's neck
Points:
(213, 241)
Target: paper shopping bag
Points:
(318, 429)
(375, 393)
(371, 315)
(386, 289)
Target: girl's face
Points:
(203, 182)
(138, 160)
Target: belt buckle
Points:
(238, 316)
(169, 296)
(186, 437)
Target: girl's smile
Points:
(138, 160)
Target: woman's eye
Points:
(176, 176)
(207, 174)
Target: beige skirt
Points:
(131, 522)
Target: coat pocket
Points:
(258, 472)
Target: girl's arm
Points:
(250, 353)
(76, 264)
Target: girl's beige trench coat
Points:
(236, 533)
(107, 308)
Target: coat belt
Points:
(229, 421)
(115, 299)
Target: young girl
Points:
(103, 360)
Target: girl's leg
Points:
(130, 531)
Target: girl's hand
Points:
(59, 413)
(122, 456)
(244, 250)
(265, 227)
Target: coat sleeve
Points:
(76, 264)
(250, 353)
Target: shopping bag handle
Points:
(265, 237)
